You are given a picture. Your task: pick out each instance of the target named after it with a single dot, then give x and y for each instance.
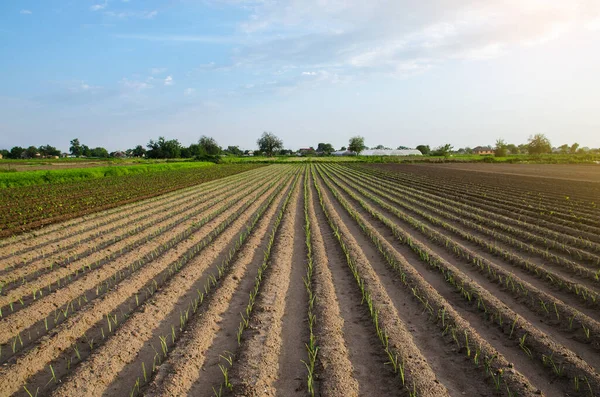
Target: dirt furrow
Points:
(13, 376)
(572, 232)
(58, 231)
(361, 369)
(88, 284)
(441, 353)
(257, 362)
(335, 367)
(539, 346)
(291, 378)
(548, 248)
(139, 238)
(535, 298)
(68, 240)
(418, 373)
(537, 273)
(114, 361)
(192, 366)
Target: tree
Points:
(500, 150)
(16, 152)
(210, 146)
(163, 149)
(87, 152)
(539, 144)
(139, 151)
(574, 147)
(268, 143)
(343, 148)
(5, 153)
(48, 151)
(99, 152)
(523, 148)
(512, 148)
(356, 144)
(76, 149)
(234, 150)
(31, 152)
(424, 149)
(403, 148)
(443, 150)
(325, 148)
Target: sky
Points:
(117, 73)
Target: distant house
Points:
(0, 156)
(482, 150)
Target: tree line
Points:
(207, 149)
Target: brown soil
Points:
(257, 366)
(570, 172)
(428, 296)
(335, 369)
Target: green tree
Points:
(443, 150)
(99, 152)
(402, 148)
(424, 149)
(31, 152)
(234, 150)
(512, 148)
(16, 152)
(501, 148)
(76, 149)
(48, 151)
(574, 147)
(325, 148)
(268, 143)
(356, 144)
(539, 144)
(210, 146)
(163, 149)
(87, 152)
(139, 151)
(5, 153)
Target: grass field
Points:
(313, 279)
(55, 176)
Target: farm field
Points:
(570, 172)
(298, 279)
(26, 208)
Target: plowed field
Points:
(317, 279)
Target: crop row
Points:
(25, 208)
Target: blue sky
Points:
(118, 73)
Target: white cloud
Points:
(396, 36)
(26, 12)
(189, 91)
(169, 80)
(98, 7)
(82, 87)
(132, 14)
(176, 38)
(135, 85)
